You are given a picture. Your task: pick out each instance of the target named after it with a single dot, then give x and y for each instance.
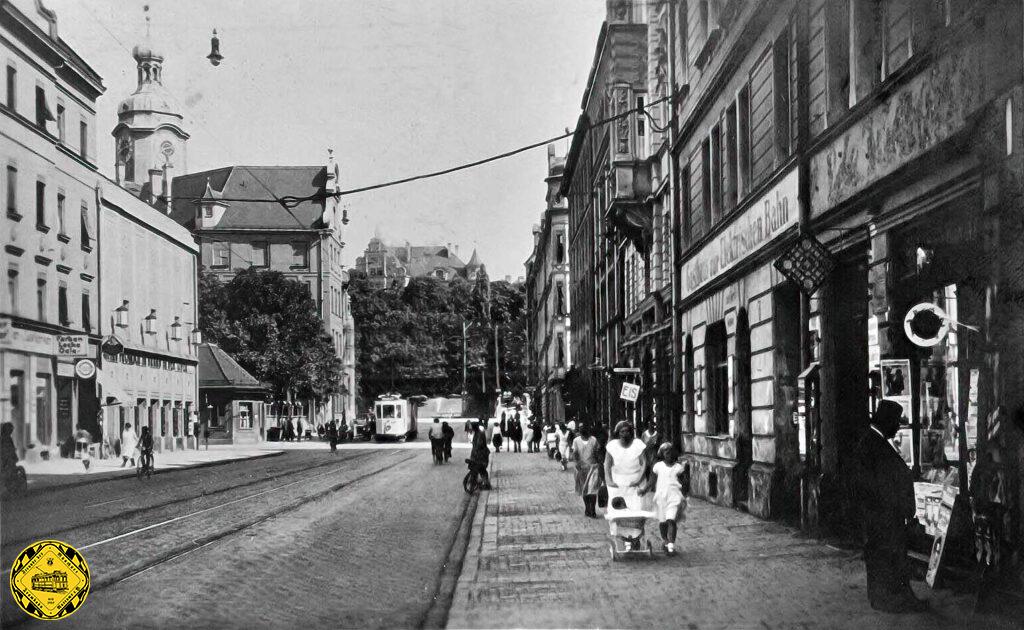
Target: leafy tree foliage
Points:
(410, 340)
(271, 326)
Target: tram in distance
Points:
(396, 417)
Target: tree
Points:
(271, 326)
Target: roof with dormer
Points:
(249, 192)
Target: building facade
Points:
(548, 280)
(65, 234)
(392, 266)
(890, 134)
(303, 242)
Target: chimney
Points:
(167, 187)
(155, 175)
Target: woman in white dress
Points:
(624, 465)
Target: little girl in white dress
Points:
(669, 498)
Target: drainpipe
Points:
(677, 409)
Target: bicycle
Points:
(145, 465)
(472, 481)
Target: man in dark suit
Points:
(885, 489)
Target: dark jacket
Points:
(480, 452)
(885, 486)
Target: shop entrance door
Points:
(845, 385)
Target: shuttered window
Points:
(762, 140)
(695, 208)
(898, 21)
(818, 70)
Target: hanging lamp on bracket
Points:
(215, 57)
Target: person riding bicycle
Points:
(145, 448)
(480, 456)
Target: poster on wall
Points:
(896, 384)
(943, 517)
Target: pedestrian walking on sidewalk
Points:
(449, 434)
(624, 466)
(436, 441)
(496, 437)
(480, 454)
(588, 470)
(885, 491)
(516, 430)
(128, 441)
(667, 481)
(332, 435)
(562, 434)
(533, 445)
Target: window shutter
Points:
(762, 157)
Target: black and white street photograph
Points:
(512, 314)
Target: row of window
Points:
(133, 358)
(43, 113)
(43, 216)
(41, 305)
(221, 251)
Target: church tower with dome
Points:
(150, 137)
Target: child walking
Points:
(670, 493)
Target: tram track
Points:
(170, 552)
(14, 546)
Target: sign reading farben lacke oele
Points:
(765, 219)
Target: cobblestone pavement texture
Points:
(534, 561)
(304, 553)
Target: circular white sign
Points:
(85, 369)
(925, 309)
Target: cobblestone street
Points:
(535, 561)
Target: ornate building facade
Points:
(548, 279)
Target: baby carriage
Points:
(626, 519)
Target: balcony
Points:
(630, 212)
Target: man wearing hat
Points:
(885, 490)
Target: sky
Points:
(394, 87)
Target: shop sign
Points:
(85, 369)
(66, 370)
(22, 340)
(71, 345)
(770, 216)
(629, 392)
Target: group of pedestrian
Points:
(441, 435)
(637, 471)
(509, 427)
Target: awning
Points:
(112, 392)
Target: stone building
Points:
(393, 266)
(80, 254)
(887, 133)
(547, 292)
(303, 242)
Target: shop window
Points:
(43, 388)
(717, 375)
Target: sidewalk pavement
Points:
(65, 472)
(534, 561)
